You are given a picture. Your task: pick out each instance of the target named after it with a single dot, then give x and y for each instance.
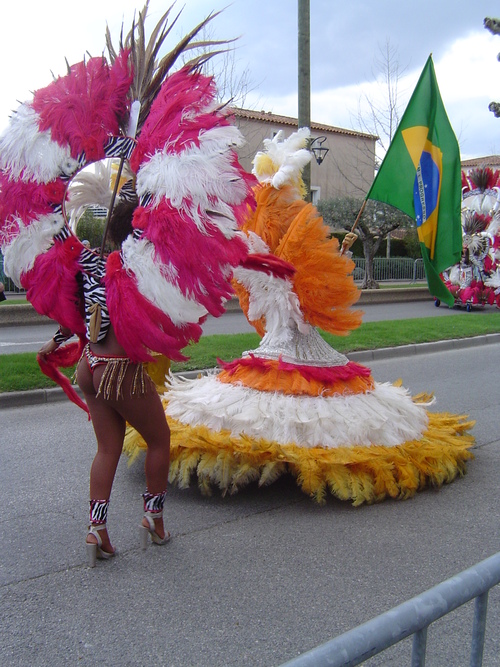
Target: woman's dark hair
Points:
(120, 223)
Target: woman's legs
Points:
(147, 416)
(145, 413)
(109, 428)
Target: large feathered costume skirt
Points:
(334, 429)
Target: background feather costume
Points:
(295, 405)
(475, 280)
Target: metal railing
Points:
(404, 269)
(8, 283)
(413, 618)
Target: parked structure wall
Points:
(348, 168)
(491, 161)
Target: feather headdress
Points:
(192, 191)
(150, 71)
(177, 264)
(293, 231)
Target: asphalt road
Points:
(248, 580)
(30, 338)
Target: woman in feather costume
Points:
(475, 281)
(295, 405)
(170, 268)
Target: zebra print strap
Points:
(153, 502)
(119, 147)
(127, 192)
(146, 199)
(98, 512)
(60, 337)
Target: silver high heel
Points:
(145, 531)
(94, 550)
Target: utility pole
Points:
(304, 82)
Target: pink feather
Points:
(85, 107)
(326, 375)
(52, 287)
(138, 324)
(177, 116)
(64, 357)
(200, 260)
(28, 200)
(270, 264)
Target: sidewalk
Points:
(24, 314)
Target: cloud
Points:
(345, 38)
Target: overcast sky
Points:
(346, 38)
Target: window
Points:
(315, 194)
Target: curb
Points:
(20, 314)
(15, 399)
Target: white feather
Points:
(493, 280)
(256, 243)
(220, 138)
(494, 226)
(198, 179)
(32, 240)
(385, 416)
(455, 274)
(288, 157)
(89, 189)
(157, 282)
(29, 154)
(272, 298)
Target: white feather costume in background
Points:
(295, 405)
(475, 281)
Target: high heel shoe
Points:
(150, 530)
(94, 549)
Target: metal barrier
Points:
(413, 618)
(403, 269)
(7, 282)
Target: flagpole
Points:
(131, 132)
(359, 216)
(355, 223)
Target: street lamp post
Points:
(304, 80)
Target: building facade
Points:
(491, 161)
(346, 171)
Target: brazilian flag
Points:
(421, 176)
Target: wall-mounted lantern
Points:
(319, 151)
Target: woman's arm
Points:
(61, 336)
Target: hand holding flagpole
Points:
(351, 237)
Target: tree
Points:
(493, 25)
(90, 228)
(233, 81)
(380, 114)
(375, 223)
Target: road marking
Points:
(28, 342)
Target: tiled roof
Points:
(488, 161)
(268, 117)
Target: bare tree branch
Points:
(378, 115)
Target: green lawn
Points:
(20, 372)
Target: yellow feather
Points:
(361, 474)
